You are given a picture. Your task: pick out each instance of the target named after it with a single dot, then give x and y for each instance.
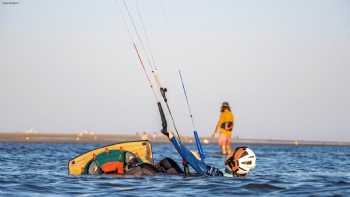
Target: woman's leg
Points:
(222, 144)
(223, 150)
(228, 145)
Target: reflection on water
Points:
(41, 169)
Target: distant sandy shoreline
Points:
(154, 138)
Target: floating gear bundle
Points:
(111, 159)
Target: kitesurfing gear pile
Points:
(127, 158)
(135, 158)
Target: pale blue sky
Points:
(282, 65)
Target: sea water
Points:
(29, 169)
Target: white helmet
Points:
(241, 161)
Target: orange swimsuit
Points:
(225, 126)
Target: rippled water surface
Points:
(41, 170)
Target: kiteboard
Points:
(142, 149)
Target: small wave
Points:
(262, 186)
(342, 183)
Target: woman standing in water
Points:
(224, 127)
